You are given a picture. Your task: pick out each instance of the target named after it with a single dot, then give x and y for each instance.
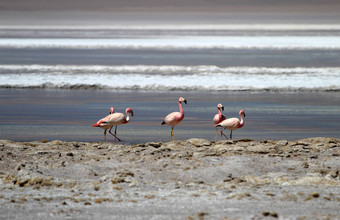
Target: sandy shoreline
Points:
(191, 179)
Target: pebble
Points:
(305, 164)
(95, 186)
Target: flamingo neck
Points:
(127, 116)
(181, 109)
(219, 114)
(242, 120)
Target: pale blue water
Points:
(28, 115)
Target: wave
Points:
(148, 27)
(143, 77)
(172, 88)
(163, 70)
(180, 42)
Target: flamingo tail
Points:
(163, 123)
(97, 124)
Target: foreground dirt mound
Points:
(195, 178)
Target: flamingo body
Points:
(232, 123)
(175, 118)
(102, 122)
(219, 117)
(117, 119)
(114, 119)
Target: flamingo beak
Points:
(222, 108)
(244, 114)
(131, 113)
(185, 101)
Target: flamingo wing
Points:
(103, 122)
(116, 119)
(217, 119)
(230, 123)
(172, 119)
(223, 117)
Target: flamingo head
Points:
(112, 110)
(220, 106)
(242, 113)
(129, 110)
(181, 99)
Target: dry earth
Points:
(192, 179)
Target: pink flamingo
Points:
(232, 123)
(102, 122)
(115, 119)
(218, 118)
(174, 118)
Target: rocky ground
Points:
(192, 179)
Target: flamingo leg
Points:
(231, 132)
(223, 134)
(172, 133)
(105, 134)
(114, 135)
(216, 134)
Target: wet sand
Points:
(191, 179)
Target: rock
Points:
(75, 144)
(95, 186)
(23, 180)
(197, 142)
(104, 179)
(100, 200)
(274, 215)
(315, 194)
(19, 166)
(125, 173)
(117, 179)
(44, 141)
(245, 140)
(229, 178)
(47, 181)
(302, 143)
(333, 174)
(38, 180)
(305, 164)
(265, 213)
(261, 149)
(282, 143)
(312, 195)
(153, 144)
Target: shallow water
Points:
(28, 114)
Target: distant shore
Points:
(190, 179)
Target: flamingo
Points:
(174, 118)
(232, 123)
(102, 122)
(218, 118)
(115, 119)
